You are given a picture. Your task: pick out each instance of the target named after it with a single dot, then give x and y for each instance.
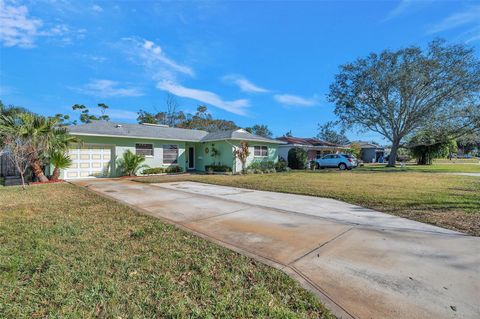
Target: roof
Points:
(306, 141)
(364, 144)
(114, 129)
(107, 128)
(240, 135)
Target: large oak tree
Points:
(396, 93)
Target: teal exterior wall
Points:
(121, 145)
(224, 154)
(272, 154)
(202, 157)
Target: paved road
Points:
(361, 263)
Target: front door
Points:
(191, 158)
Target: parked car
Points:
(342, 161)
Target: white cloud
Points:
(294, 100)
(16, 27)
(116, 114)
(405, 6)
(244, 84)
(97, 8)
(465, 17)
(236, 106)
(107, 88)
(155, 59)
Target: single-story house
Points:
(104, 142)
(371, 152)
(315, 148)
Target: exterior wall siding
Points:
(121, 145)
(203, 158)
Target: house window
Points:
(170, 154)
(260, 151)
(144, 149)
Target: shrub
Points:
(297, 158)
(281, 165)
(130, 163)
(217, 168)
(262, 167)
(160, 170)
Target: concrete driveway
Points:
(361, 263)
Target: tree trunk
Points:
(393, 153)
(56, 174)
(37, 170)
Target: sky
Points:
(253, 62)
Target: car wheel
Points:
(342, 166)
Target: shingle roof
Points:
(136, 130)
(107, 128)
(306, 141)
(240, 135)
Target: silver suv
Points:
(342, 161)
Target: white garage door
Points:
(89, 161)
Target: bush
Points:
(160, 170)
(297, 158)
(217, 168)
(281, 165)
(262, 167)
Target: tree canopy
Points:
(396, 93)
(329, 133)
(260, 130)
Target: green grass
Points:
(445, 200)
(68, 253)
(436, 168)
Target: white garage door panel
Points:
(89, 161)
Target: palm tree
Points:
(130, 163)
(38, 129)
(60, 160)
(58, 150)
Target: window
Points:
(144, 149)
(260, 151)
(170, 154)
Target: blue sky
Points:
(267, 62)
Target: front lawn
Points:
(436, 168)
(445, 200)
(68, 253)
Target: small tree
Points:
(426, 146)
(356, 149)
(59, 160)
(242, 154)
(297, 158)
(20, 152)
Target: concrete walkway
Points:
(361, 263)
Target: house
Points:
(315, 148)
(103, 142)
(371, 152)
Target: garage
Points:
(89, 160)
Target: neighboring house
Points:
(371, 153)
(104, 142)
(315, 148)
